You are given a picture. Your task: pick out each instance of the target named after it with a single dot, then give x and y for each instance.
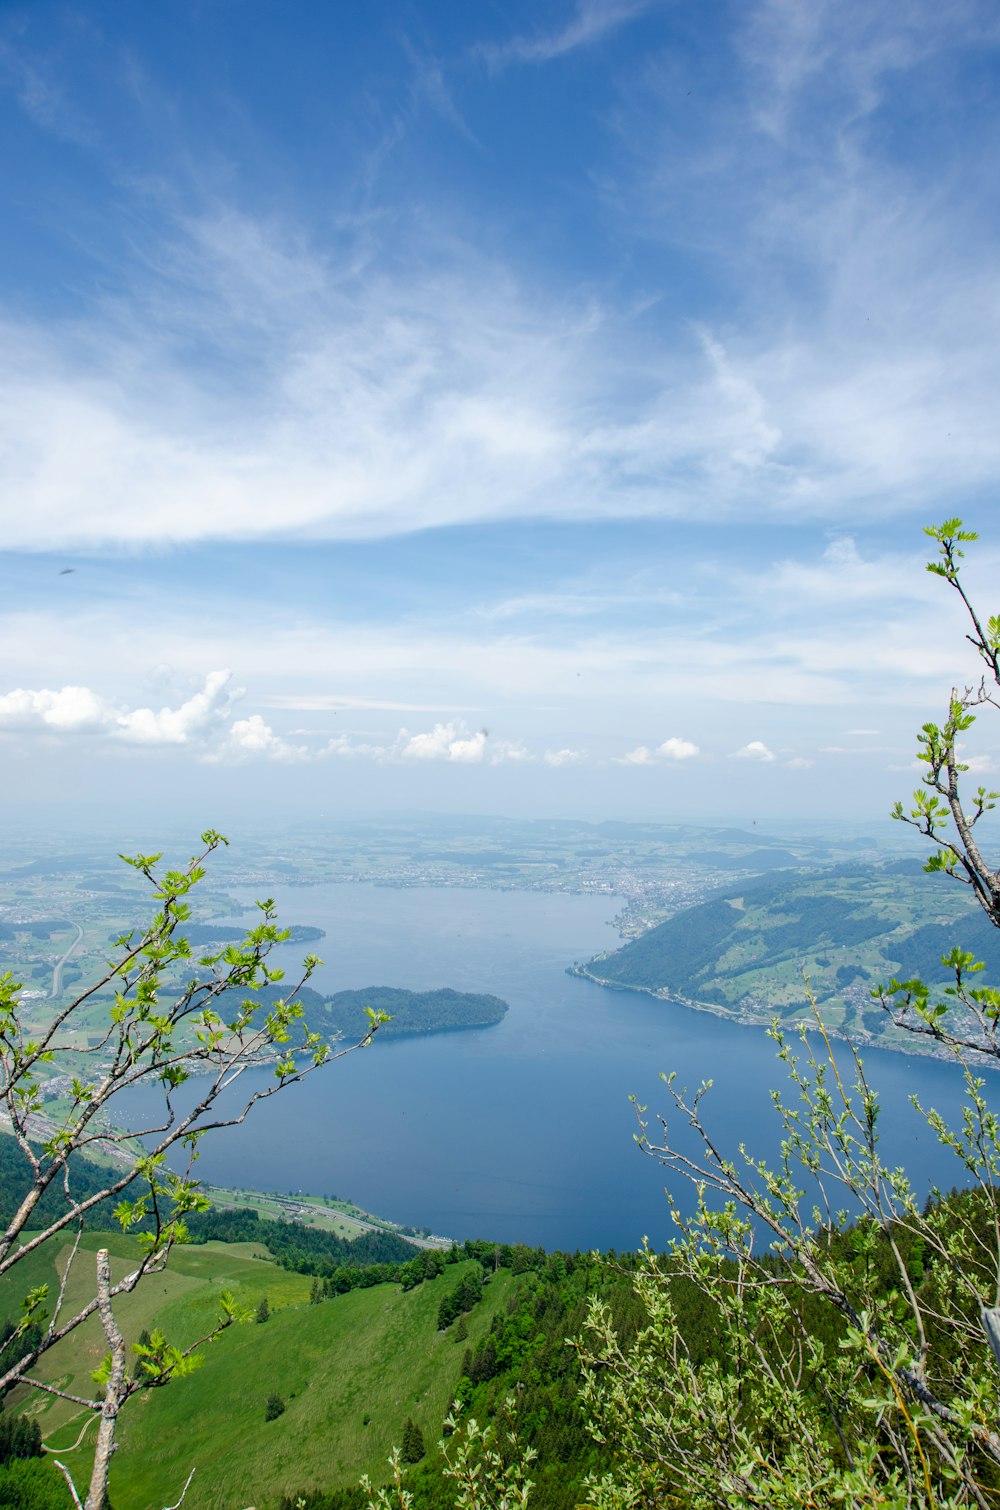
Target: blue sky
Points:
(504, 407)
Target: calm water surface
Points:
(523, 1131)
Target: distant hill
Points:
(755, 859)
(847, 928)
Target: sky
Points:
(511, 407)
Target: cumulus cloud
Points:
(670, 749)
(201, 715)
(641, 755)
(755, 750)
(503, 750)
(562, 757)
(677, 749)
(798, 763)
(250, 738)
(203, 722)
(70, 710)
(444, 742)
(450, 742)
(78, 710)
(357, 749)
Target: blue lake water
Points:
(521, 1132)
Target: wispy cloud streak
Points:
(592, 21)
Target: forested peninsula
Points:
(410, 1013)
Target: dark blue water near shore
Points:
(520, 1132)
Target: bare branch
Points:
(72, 1487)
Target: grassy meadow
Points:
(350, 1370)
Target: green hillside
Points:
(349, 1371)
(848, 928)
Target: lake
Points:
(522, 1132)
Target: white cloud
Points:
(593, 20)
(641, 755)
(531, 686)
(562, 757)
(755, 750)
(355, 749)
(443, 742)
(69, 710)
(671, 749)
(677, 749)
(446, 741)
(252, 738)
(201, 715)
(201, 722)
(504, 750)
(980, 765)
(859, 342)
(204, 722)
(78, 710)
(799, 763)
(364, 403)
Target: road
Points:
(57, 969)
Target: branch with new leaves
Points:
(168, 1019)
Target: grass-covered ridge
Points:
(349, 1369)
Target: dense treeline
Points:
(429, 1264)
(307, 1250)
(466, 1294)
(86, 1178)
(525, 1356)
(342, 1264)
(27, 1480)
(20, 1437)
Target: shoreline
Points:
(745, 1019)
